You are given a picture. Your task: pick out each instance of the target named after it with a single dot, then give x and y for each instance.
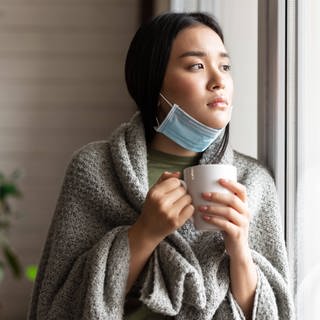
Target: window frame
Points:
(277, 115)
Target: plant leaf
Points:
(31, 272)
(13, 261)
(8, 189)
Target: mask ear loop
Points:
(157, 120)
(167, 101)
(158, 124)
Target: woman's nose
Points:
(216, 81)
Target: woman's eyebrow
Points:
(222, 54)
(193, 54)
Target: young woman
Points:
(122, 244)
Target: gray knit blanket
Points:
(84, 265)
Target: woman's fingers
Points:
(170, 199)
(166, 175)
(185, 207)
(227, 199)
(167, 206)
(167, 182)
(223, 212)
(222, 223)
(170, 196)
(236, 188)
(229, 211)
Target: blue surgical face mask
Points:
(186, 131)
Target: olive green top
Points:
(159, 162)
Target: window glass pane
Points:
(242, 43)
(308, 204)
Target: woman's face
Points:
(198, 77)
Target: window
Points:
(307, 221)
(289, 37)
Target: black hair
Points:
(147, 60)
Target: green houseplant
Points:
(8, 189)
(8, 259)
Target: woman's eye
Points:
(226, 67)
(197, 66)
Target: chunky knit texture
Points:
(84, 266)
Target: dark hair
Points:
(147, 60)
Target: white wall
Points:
(61, 86)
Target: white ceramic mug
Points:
(204, 178)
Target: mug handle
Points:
(185, 186)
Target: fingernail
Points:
(203, 208)
(206, 194)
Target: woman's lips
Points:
(218, 103)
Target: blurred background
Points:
(62, 86)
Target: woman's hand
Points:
(166, 208)
(232, 217)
